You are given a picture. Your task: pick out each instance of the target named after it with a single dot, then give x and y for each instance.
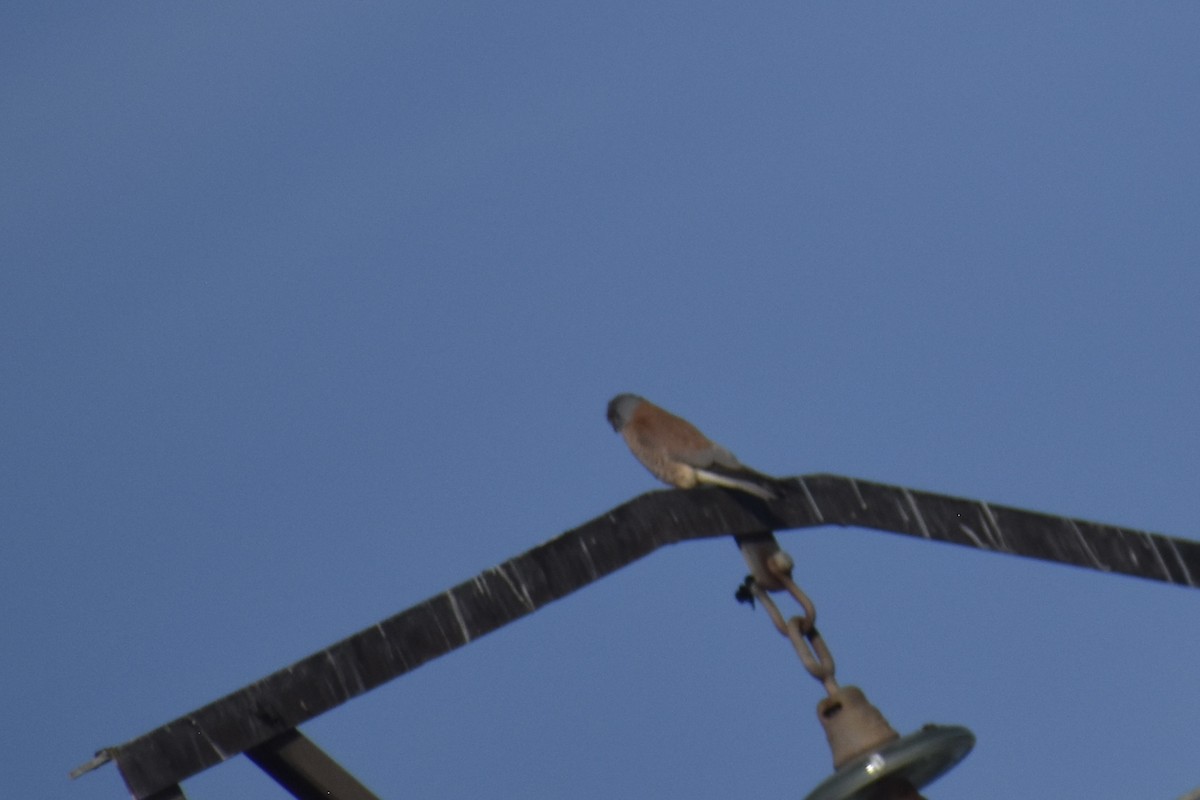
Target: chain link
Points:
(801, 630)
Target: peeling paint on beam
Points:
(375, 655)
(283, 700)
(1104, 548)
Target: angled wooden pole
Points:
(257, 714)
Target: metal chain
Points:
(800, 630)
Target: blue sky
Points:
(311, 310)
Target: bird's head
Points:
(620, 409)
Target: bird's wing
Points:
(712, 457)
(718, 466)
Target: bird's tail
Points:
(749, 482)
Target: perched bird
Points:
(678, 454)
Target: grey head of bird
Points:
(621, 408)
